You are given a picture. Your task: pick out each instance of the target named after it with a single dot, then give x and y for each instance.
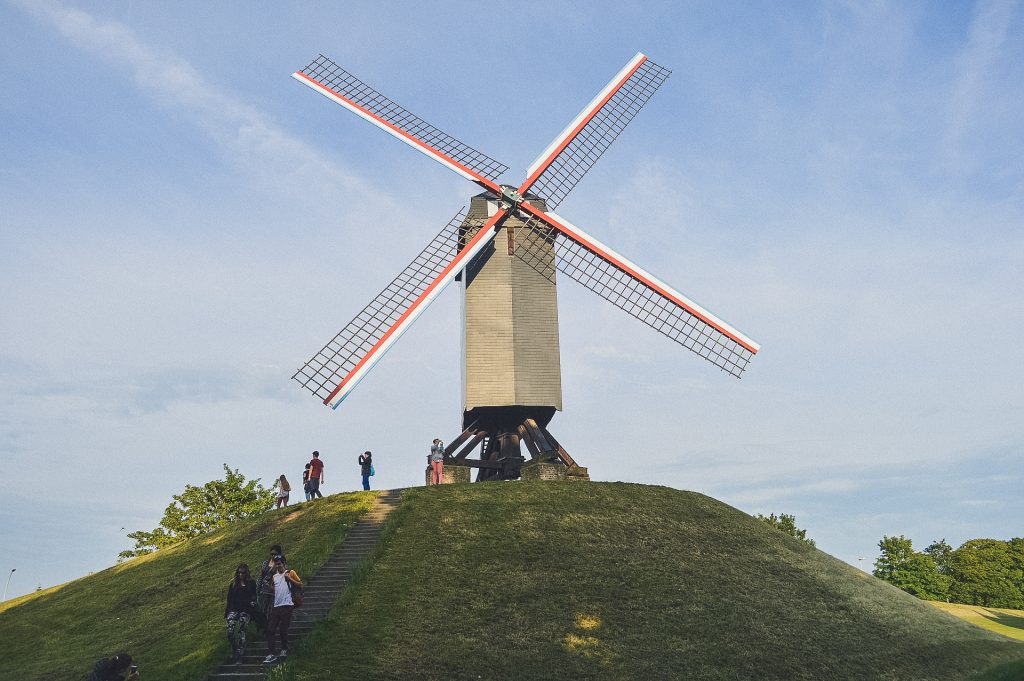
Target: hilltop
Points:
(620, 581)
(539, 580)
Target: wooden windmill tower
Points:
(506, 249)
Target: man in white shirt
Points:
(281, 614)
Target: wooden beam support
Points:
(464, 452)
(562, 454)
(527, 439)
(457, 442)
(495, 465)
(538, 435)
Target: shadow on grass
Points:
(1012, 671)
(1005, 619)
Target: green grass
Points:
(166, 608)
(1000, 620)
(617, 581)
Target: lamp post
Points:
(8, 584)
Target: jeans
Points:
(366, 482)
(280, 621)
(314, 488)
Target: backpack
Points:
(101, 671)
(296, 590)
(371, 469)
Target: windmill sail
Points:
(544, 240)
(575, 151)
(337, 84)
(588, 261)
(334, 371)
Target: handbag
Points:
(371, 469)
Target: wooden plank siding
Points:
(511, 328)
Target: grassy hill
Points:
(619, 581)
(1000, 620)
(165, 608)
(520, 581)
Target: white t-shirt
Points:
(282, 594)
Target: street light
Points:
(7, 584)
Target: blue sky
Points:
(182, 224)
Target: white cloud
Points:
(970, 92)
(241, 129)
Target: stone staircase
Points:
(320, 591)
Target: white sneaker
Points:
(284, 653)
(270, 658)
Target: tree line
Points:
(199, 510)
(987, 572)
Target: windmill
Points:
(506, 250)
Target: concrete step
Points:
(321, 592)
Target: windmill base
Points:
(450, 475)
(555, 470)
(499, 433)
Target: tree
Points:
(940, 552)
(199, 510)
(989, 572)
(914, 572)
(786, 523)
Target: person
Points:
(366, 468)
(265, 589)
(437, 460)
(238, 610)
(305, 482)
(116, 668)
(283, 491)
(281, 616)
(316, 476)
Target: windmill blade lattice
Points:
(325, 371)
(534, 243)
(325, 73)
(581, 153)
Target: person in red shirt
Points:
(316, 476)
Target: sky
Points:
(182, 225)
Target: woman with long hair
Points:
(238, 611)
(283, 490)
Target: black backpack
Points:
(100, 670)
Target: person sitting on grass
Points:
(116, 668)
(238, 610)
